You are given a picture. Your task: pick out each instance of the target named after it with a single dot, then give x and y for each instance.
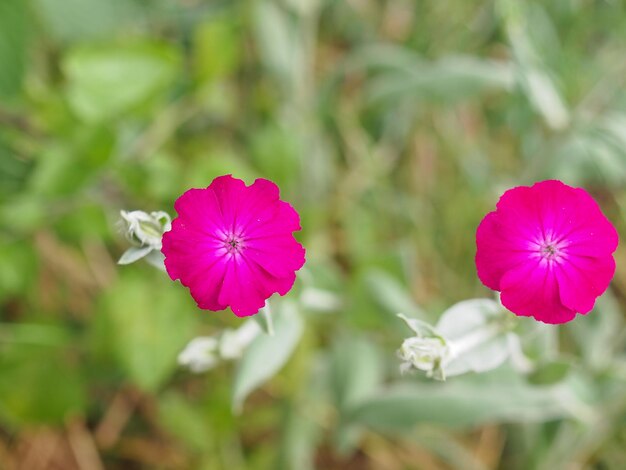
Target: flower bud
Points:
(200, 354)
(143, 229)
(426, 354)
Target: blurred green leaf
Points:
(39, 385)
(550, 373)
(149, 326)
(390, 294)
(274, 151)
(14, 171)
(85, 19)
(67, 166)
(14, 29)
(33, 334)
(498, 396)
(598, 334)
(217, 49)
(277, 39)
(107, 80)
(532, 73)
(448, 80)
(356, 371)
(18, 269)
(267, 354)
(184, 421)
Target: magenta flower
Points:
(232, 245)
(548, 249)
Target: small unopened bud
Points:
(205, 352)
(426, 354)
(200, 354)
(143, 229)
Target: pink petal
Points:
(246, 287)
(593, 234)
(200, 208)
(582, 280)
(499, 249)
(280, 255)
(531, 289)
(261, 197)
(229, 193)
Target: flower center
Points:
(551, 250)
(233, 244)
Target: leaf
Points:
(84, 19)
(68, 165)
(475, 326)
(599, 334)
(532, 74)
(13, 42)
(278, 42)
(39, 384)
(300, 434)
(264, 319)
(449, 80)
(550, 373)
(148, 325)
(498, 396)
(356, 371)
(184, 421)
(390, 294)
(133, 254)
(108, 80)
(217, 49)
(267, 354)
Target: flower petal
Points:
(531, 289)
(499, 249)
(582, 280)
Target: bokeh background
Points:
(392, 126)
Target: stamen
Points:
(233, 244)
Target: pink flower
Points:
(232, 245)
(548, 249)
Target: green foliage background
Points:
(392, 126)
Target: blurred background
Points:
(392, 126)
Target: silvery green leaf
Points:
(419, 327)
(133, 254)
(390, 294)
(156, 259)
(497, 396)
(533, 75)
(356, 370)
(320, 300)
(466, 316)
(483, 357)
(546, 98)
(476, 330)
(264, 319)
(267, 354)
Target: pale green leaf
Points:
(499, 396)
(108, 80)
(267, 354)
